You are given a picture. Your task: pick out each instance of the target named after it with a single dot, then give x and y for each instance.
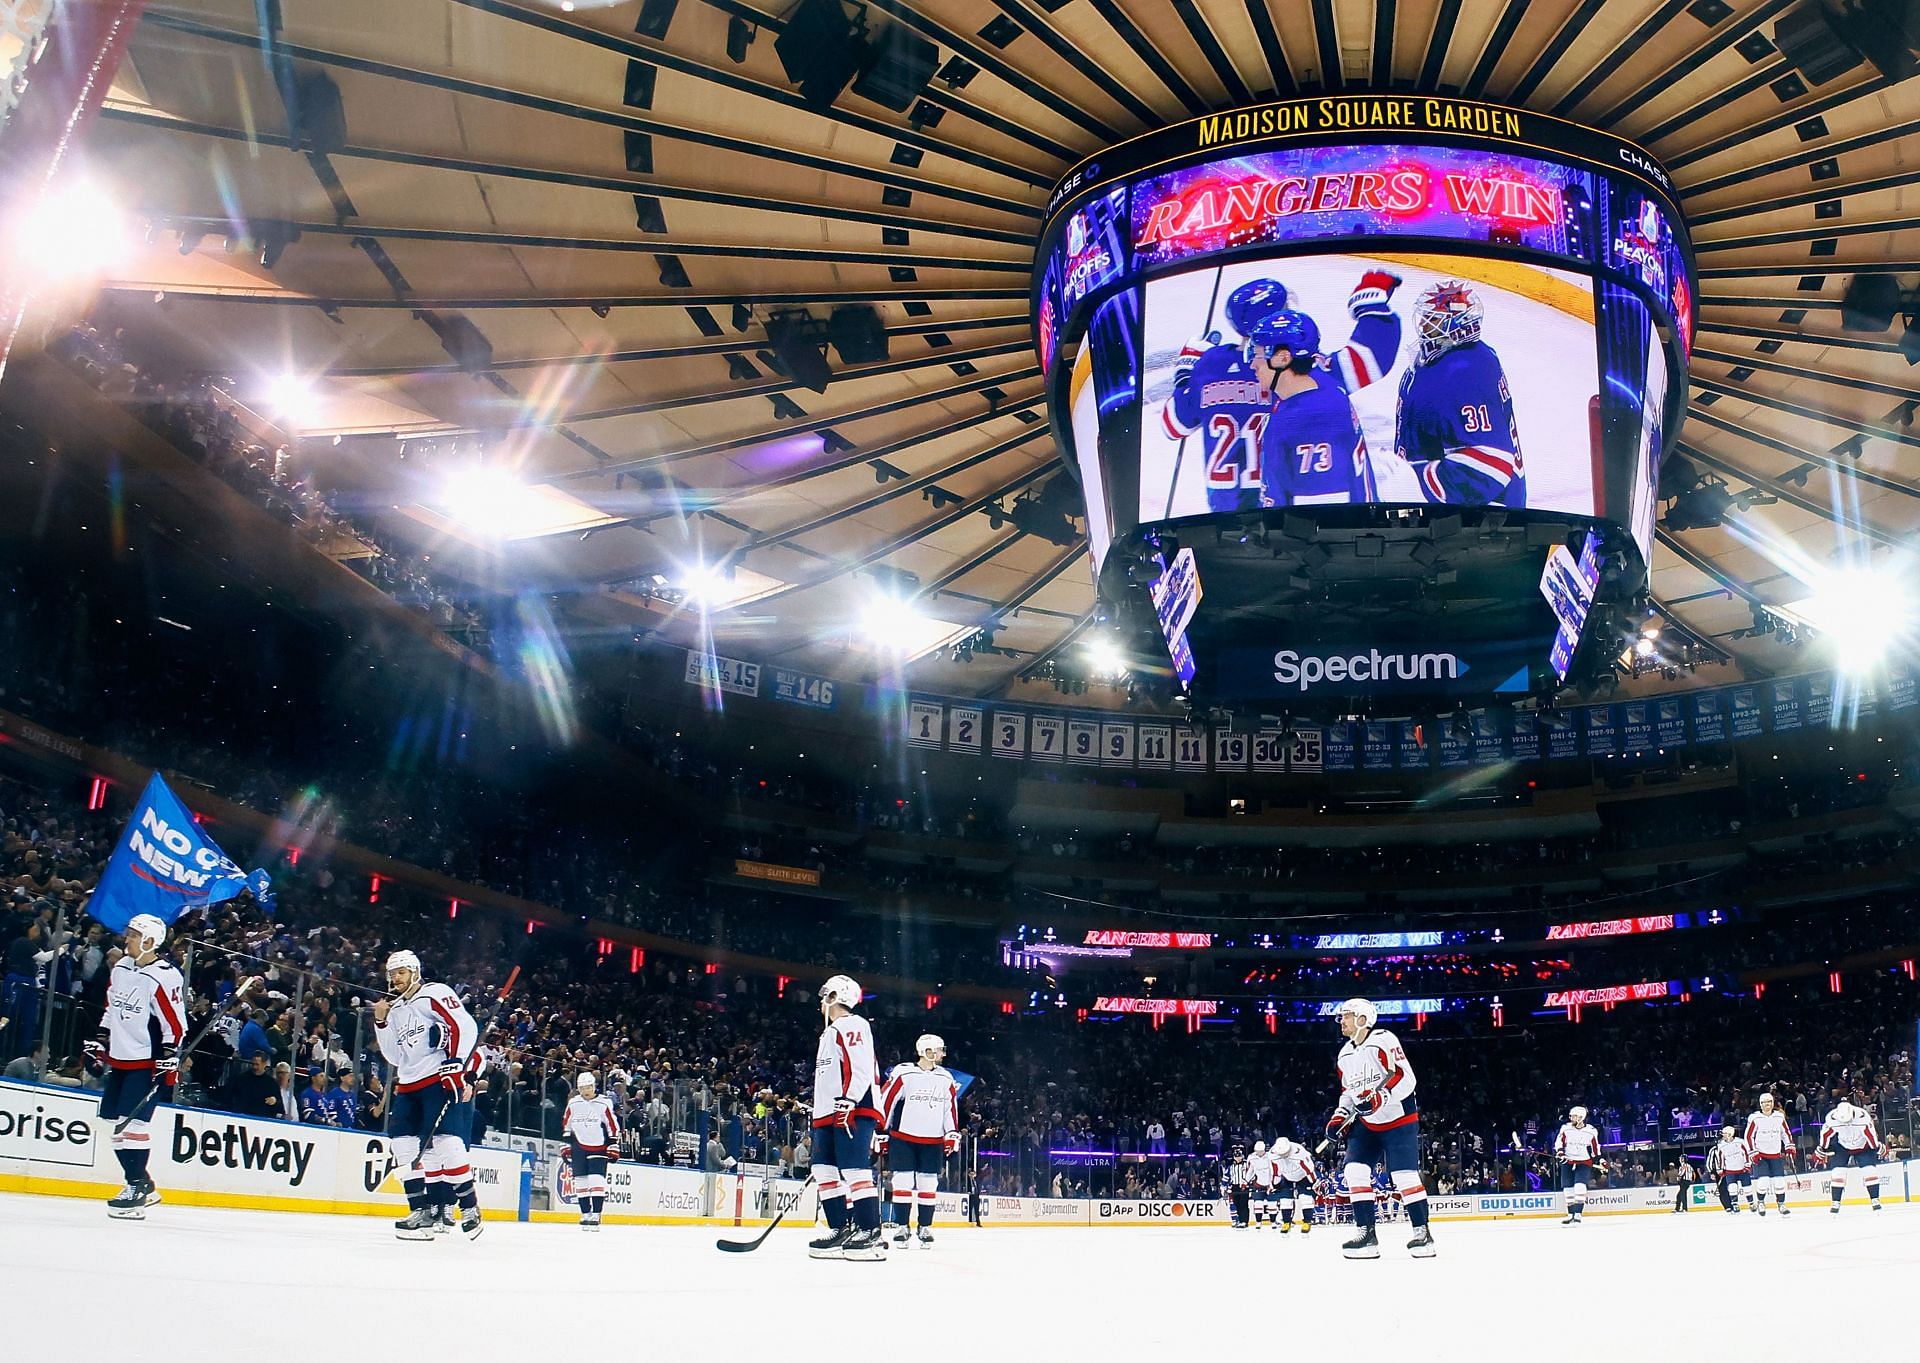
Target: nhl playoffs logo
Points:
(1076, 234)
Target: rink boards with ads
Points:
(53, 1141)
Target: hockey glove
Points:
(1372, 293)
(951, 1141)
(1370, 1102)
(1191, 352)
(166, 1069)
(453, 1078)
(879, 1143)
(1341, 1119)
(613, 1154)
(1818, 1159)
(843, 1113)
(95, 1052)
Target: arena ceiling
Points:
(541, 263)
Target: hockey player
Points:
(1238, 1188)
(592, 1131)
(1312, 452)
(1729, 1163)
(1456, 427)
(844, 1118)
(1379, 1113)
(1221, 390)
(138, 1048)
(1848, 1141)
(1770, 1139)
(1295, 1164)
(1578, 1149)
(921, 1103)
(428, 1036)
(1263, 1174)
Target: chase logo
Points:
(1291, 668)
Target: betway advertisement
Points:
(54, 1141)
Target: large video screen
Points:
(1414, 379)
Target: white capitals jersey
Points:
(921, 1105)
(1733, 1155)
(1577, 1144)
(144, 1013)
(1768, 1135)
(1263, 1170)
(1851, 1126)
(590, 1123)
(422, 1033)
(843, 1067)
(1296, 1166)
(1378, 1063)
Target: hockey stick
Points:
(1180, 451)
(240, 991)
(749, 1246)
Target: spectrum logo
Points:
(1291, 668)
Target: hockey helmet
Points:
(1766, 1102)
(843, 990)
(146, 928)
(1282, 1147)
(404, 960)
(1360, 1008)
(930, 1045)
(1252, 301)
(586, 1080)
(1576, 1114)
(1259, 1147)
(1285, 329)
(1726, 1133)
(1446, 315)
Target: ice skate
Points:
(864, 1246)
(1365, 1245)
(418, 1225)
(1421, 1246)
(830, 1245)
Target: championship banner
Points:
(1670, 722)
(165, 865)
(1413, 744)
(1900, 689)
(1563, 739)
(1744, 702)
(1376, 752)
(1456, 744)
(1636, 726)
(1487, 747)
(1526, 736)
(1820, 700)
(1786, 706)
(1709, 718)
(1339, 746)
(1601, 735)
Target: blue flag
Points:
(165, 865)
(961, 1078)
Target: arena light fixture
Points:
(292, 399)
(485, 500)
(74, 232)
(891, 621)
(1105, 658)
(1864, 613)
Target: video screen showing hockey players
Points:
(1395, 378)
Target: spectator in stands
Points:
(346, 1100)
(283, 1080)
(1156, 1138)
(373, 1105)
(252, 1039)
(316, 1101)
(255, 1092)
(27, 956)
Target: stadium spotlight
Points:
(484, 499)
(74, 231)
(292, 399)
(1105, 658)
(890, 620)
(704, 585)
(1863, 612)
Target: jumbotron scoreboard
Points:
(1367, 394)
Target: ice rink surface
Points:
(217, 1286)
